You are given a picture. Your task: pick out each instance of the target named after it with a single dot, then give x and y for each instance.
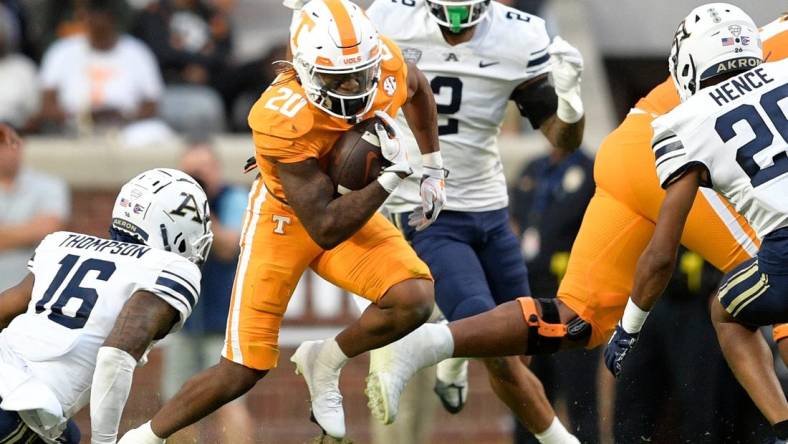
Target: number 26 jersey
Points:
(738, 131)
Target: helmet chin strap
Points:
(456, 15)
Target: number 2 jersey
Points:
(472, 83)
(738, 131)
(81, 285)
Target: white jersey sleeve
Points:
(178, 284)
(671, 157)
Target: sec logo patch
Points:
(390, 85)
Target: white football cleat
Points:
(323, 384)
(451, 384)
(392, 366)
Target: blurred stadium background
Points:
(209, 60)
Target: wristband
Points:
(634, 317)
(389, 180)
(432, 160)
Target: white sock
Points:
(331, 355)
(556, 434)
(453, 369)
(427, 345)
(440, 339)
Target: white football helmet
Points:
(458, 14)
(336, 55)
(166, 209)
(713, 39)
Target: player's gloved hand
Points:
(432, 192)
(393, 151)
(141, 435)
(566, 73)
(617, 349)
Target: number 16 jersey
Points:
(81, 285)
(738, 131)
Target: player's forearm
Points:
(422, 113)
(327, 219)
(109, 392)
(346, 214)
(652, 275)
(562, 135)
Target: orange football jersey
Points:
(287, 128)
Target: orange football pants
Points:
(620, 220)
(275, 251)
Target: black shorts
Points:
(756, 291)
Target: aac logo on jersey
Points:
(390, 85)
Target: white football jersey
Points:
(738, 130)
(472, 83)
(81, 284)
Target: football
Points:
(355, 159)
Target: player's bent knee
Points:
(413, 298)
(546, 332)
(238, 378)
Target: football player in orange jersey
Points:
(343, 72)
(616, 228)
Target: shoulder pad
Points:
(517, 36)
(392, 55)
(282, 111)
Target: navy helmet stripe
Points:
(178, 288)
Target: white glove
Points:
(141, 435)
(393, 151)
(566, 72)
(432, 191)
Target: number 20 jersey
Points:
(81, 285)
(738, 131)
(472, 83)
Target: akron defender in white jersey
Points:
(731, 134)
(80, 285)
(738, 131)
(472, 83)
